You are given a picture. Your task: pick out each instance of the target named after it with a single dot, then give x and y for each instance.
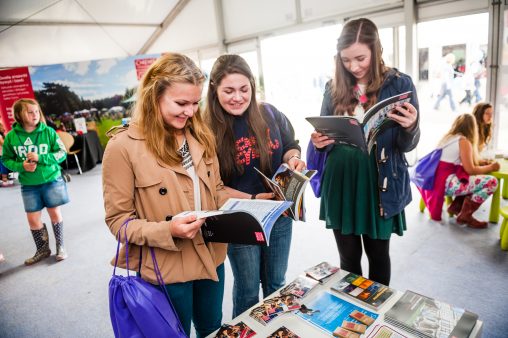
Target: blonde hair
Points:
(19, 109)
(168, 70)
(464, 125)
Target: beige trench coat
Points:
(137, 185)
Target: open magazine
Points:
(348, 130)
(289, 185)
(240, 221)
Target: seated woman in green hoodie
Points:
(35, 152)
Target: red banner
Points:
(15, 84)
(142, 66)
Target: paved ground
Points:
(69, 299)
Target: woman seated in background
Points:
(460, 174)
(483, 113)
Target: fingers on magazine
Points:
(348, 130)
(289, 185)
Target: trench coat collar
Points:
(195, 148)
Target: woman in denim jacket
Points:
(364, 196)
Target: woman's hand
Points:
(320, 140)
(29, 166)
(186, 227)
(264, 196)
(296, 163)
(405, 115)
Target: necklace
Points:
(360, 94)
(359, 110)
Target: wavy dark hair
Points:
(484, 129)
(365, 32)
(221, 121)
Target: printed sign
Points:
(15, 84)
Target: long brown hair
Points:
(221, 122)
(484, 129)
(464, 125)
(169, 69)
(19, 110)
(357, 31)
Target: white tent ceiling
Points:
(38, 32)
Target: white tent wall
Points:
(38, 32)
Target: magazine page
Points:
(289, 185)
(342, 129)
(328, 312)
(376, 118)
(367, 291)
(292, 184)
(265, 211)
(425, 316)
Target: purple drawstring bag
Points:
(138, 308)
(316, 161)
(424, 172)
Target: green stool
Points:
(448, 201)
(503, 232)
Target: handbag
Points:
(138, 308)
(316, 161)
(424, 172)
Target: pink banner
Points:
(142, 66)
(15, 84)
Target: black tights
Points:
(377, 250)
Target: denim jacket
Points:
(393, 177)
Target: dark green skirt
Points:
(350, 195)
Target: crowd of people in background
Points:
(455, 76)
(166, 161)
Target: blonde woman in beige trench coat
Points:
(164, 163)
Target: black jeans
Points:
(377, 250)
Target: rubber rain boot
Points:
(61, 253)
(41, 239)
(466, 214)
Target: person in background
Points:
(4, 172)
(35, 151)
(483, 113)
(461, 175)
(251, 135)
(161, 164)
(446, 76)
(363, 196)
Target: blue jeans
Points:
(253, 263)
(199, 301)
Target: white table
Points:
(307, 330)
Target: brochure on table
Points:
(304, 328)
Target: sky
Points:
(90, 80)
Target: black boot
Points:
(61, 253)
(41, 239)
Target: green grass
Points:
(103, 127)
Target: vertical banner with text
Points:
(15, 84)
(142, 66)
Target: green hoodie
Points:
(45, 142)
